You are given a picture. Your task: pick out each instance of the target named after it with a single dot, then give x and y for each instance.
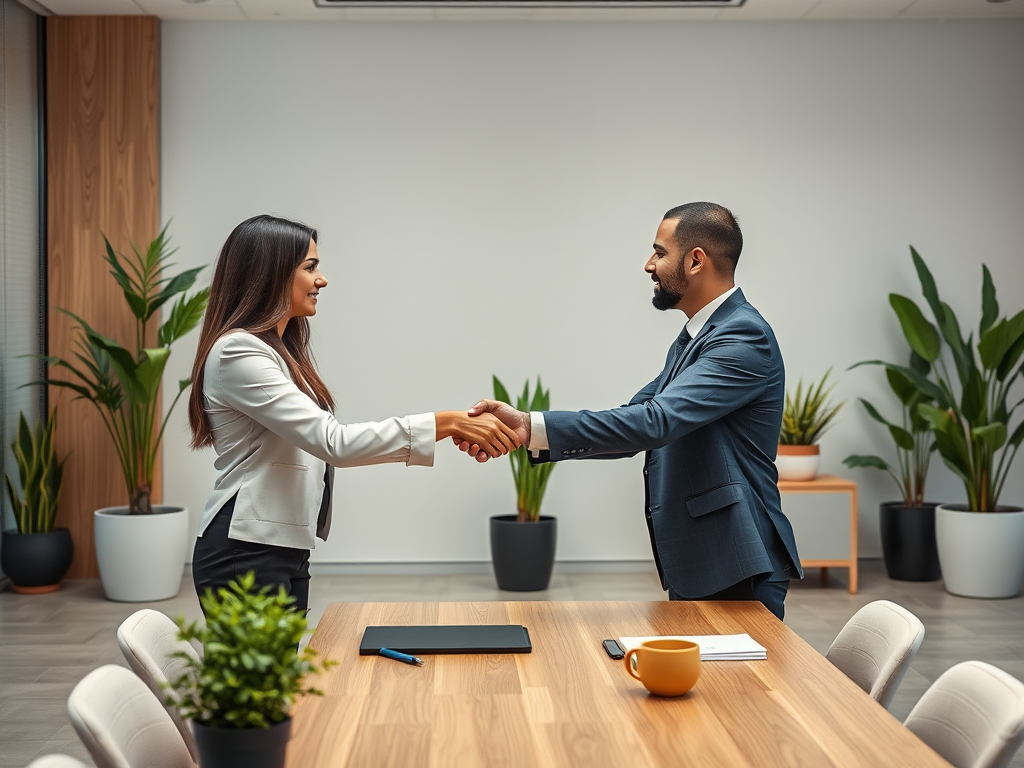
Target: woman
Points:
(258, 400)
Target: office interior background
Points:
(487, 193)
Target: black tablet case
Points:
(447, 638)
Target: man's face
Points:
(667, 268)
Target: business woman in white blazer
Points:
(258, 400)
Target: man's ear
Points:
(699, 260)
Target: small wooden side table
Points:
(818, 523)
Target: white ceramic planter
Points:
(141, 557)
(798, 462)
(981, 553)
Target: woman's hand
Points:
(486, 430)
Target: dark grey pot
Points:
(36, 562)
(908, 541)
(242, 747)
(523, 553)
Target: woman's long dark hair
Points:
(251, 290)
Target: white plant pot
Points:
(798, 462)
(981, 553)
(141, 557)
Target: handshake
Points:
(488, 430)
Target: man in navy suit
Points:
(708, 424)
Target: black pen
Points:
(404, 657)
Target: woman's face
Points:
(306, 284)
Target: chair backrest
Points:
(973, 716)
(148, 639)
(56, 761)
(876, 646)
(122, 724)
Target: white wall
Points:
(487, 194)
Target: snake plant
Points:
(41, 475)
(531, 479)
(808, 413)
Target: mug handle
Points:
(628, 661)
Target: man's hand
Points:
(518, 421)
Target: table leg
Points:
(824, 576)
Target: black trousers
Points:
(771, 594)
(218, 559)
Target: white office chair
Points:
(147, 639)
(876, 646)
(122, 724)
(56, 761)
(973, 716)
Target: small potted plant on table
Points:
(36, 556)
(523, 544)
(907, 526)
(807, 414)
(239, 695)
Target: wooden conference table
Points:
(568, 704)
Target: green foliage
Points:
(966, 408)
(531, 479)
(124, 384)
(251, 671)
(912, 437)
(41, 476)
(808, 413)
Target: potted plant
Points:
(141, 547)
(36, 555)
(806, 416)
(907, 526)
(239, 694)
(523, 544)
(980, 543)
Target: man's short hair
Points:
(711, 227)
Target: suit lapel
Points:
(683, 357)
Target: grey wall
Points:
(487, 195)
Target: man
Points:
(709, 425)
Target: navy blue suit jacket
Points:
(709, 425)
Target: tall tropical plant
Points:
(808, 413)
(531, 479)
(912, 436)
(967, 407)
(123, 383)
(40, 473)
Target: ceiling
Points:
(305, 10)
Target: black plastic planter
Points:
(36, 562)
(908, 541)
(242, 747)
(523, 553)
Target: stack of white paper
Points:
(712, 647)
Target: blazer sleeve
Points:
(730, 371)
(250, 380)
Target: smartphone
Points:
(613, 649)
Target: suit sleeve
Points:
(730, 372)
(251, 381)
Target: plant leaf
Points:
(919, 333)
(996, 343)
(989, 305)
(874, 462)
(931, 293)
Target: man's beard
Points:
(665, 299)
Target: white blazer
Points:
(272, 441)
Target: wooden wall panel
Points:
(103, 175)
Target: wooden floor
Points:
(49, 642)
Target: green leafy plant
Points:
(124, 384)
(531, 479)
(967, 407)
(251, 670)
(912, 436)
(808, 413)
(41, 476)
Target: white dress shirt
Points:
(539, 431)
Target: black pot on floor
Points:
(908, 541)
(36, 562)
(523, 553)
(242, 747)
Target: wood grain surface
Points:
(103, 177)
(568, 704)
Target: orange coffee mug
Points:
(665, 667)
